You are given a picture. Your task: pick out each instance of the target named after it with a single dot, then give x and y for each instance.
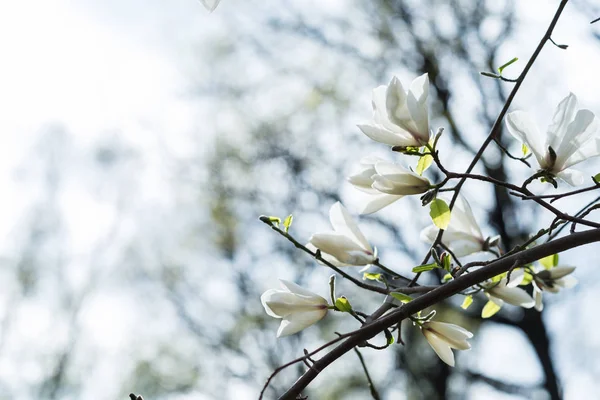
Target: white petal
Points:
(563, 116)
(537, 294)
(440, 347)
(395, 101)
(344, 224)
(516, 277)
(578, 133)
(589, 150)
(456, 335)
(571, 177)
(523, 128)
(462, 248)
(560, 272)
(339, 246)
(417, 105)
(210, 4)
(296, 289)
(377, 202)
(567, 282)
(514, 296)
(379, 134)
(266, 298)
(298, 321)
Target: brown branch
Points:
(435, 296)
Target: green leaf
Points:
(447, 277)
(371, 276)
(446, 259)
(424, 163)
(425, 267)
(287, 222)
(343, 304)
(490, 309)
(401, 296)
(467, 302)
(389, 337)
(549, 261)
(439, 213)
(503, 66)
(524, 149)
(527, 279)
(596, 178)
(498, 278)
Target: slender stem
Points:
(435, 296)
(498, 123)
(372, 388)
(318, 257)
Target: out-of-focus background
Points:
(141, 140)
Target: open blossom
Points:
(463, 235)
(400, 118)
(443, 337)
(507, 292)
(346, 245)
(570, 139)
(551, 280)
(210, 4)
(299, 308)
(385, 183)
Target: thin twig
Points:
(372, 388)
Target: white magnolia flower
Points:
(299, 308)
(386, 182)
(346, 245)
(463, 235)
(507, 291)
(400, 118)
(443, 337)
(552, 280)
(570, 139)
(210, 4)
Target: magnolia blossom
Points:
(400, 118)
(551, 280)
(299, 308)
(210, 4)
(570, 139)
(507, 291)
(346, 245)
(463, 235)
(385, 183)
(443, 337)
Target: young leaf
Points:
(549, 261)
(447, 277)
(501, 68)
(524, 149)
(467, 302)
(287, 222)
(527, 279)
(389, 337)
(596, 178)
(446, 261)
(489, 309)
(343, 304)
(439, 213)
(425, 267)
(401, 296)
(424, 163)
(371, 276)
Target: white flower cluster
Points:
(400, 119)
